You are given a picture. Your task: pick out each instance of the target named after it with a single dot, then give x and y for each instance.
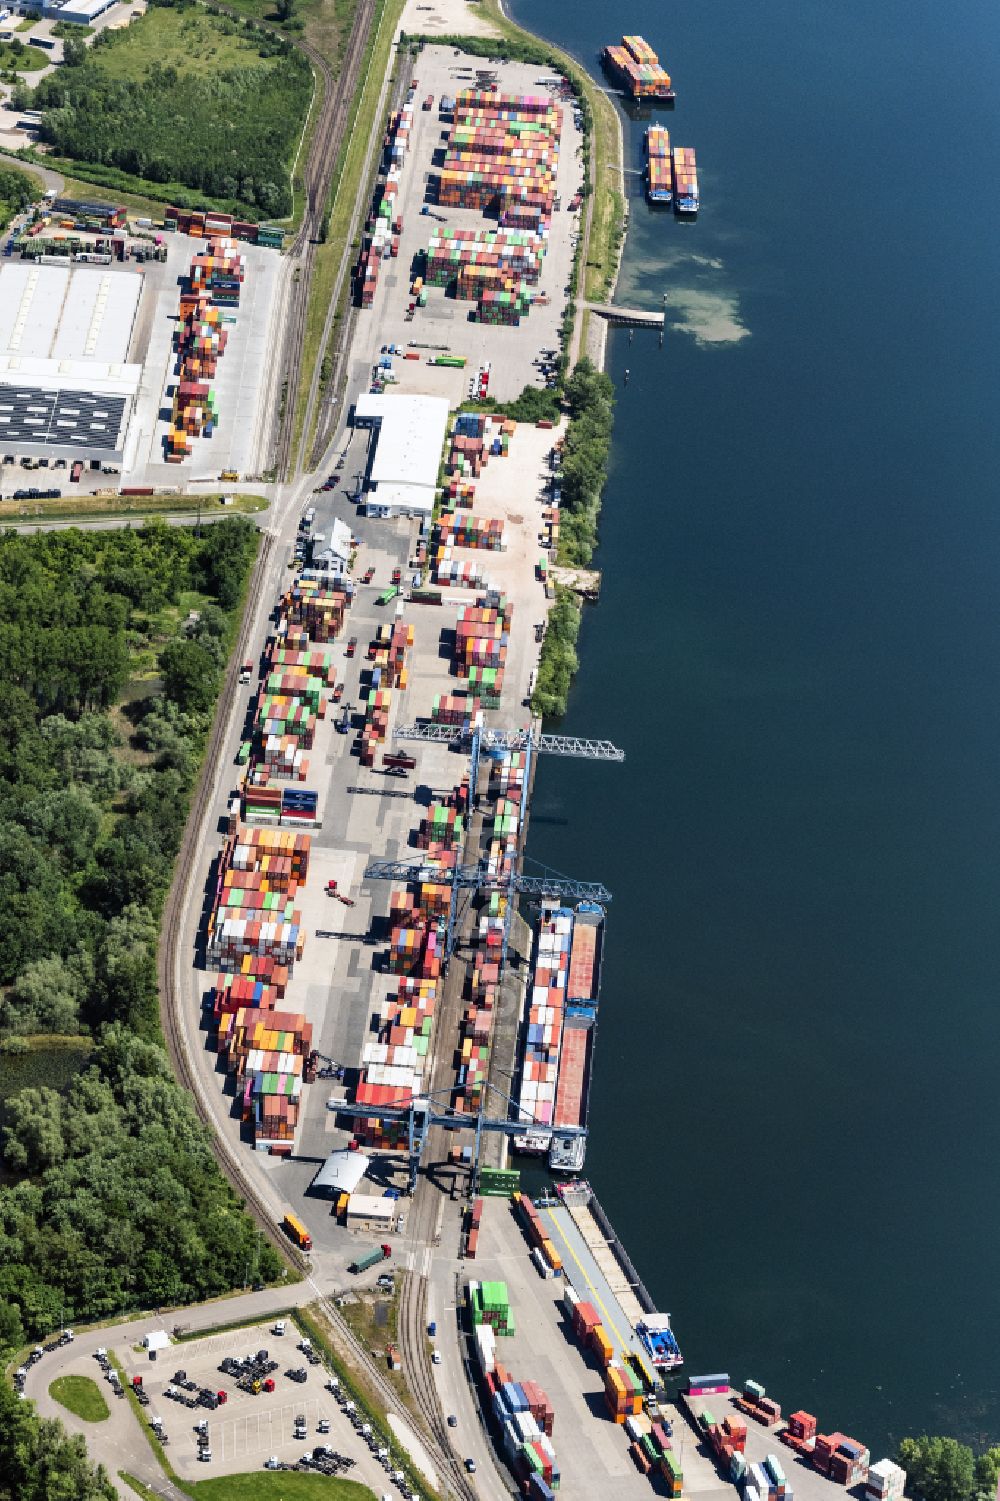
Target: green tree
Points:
(939, 1469)
(40, 1462)
(33, 1130)
(190, 675)
(988, 1473)
(11, 1329)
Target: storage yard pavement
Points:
(239, 382)
(445, 320)
(448, 17)
(587, 1443)
(806, 1483)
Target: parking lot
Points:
(446, 321)
(247, 1430)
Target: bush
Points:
(559, 662)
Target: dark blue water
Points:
(794, 1119)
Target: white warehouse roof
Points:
(372, 1207)
(411, 431)
(67, 313)
(342, 1172)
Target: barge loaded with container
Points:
(558, 1032)
(686, 196)
(637, 68)
(659, 169)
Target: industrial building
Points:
(83, 12)
(65, 380)
(368, 1212)
(408, 436)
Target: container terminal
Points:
(364, 900)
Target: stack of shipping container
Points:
(317, 608)
(384, 224)
(637, 66)
(200, 223)
(522, 1410)
(254, 933)
(543, 1247)
(659, 169)
(542, 1032)
(215, 277)
(482, 640)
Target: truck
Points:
(381, 1253)
(76, 471)
(399, 760)
(297, 1232)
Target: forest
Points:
(112, 652)
(184, 96)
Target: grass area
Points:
(342, 195)
(135, 507)
(192, 42)
(138, 1486)
(27, 23)
(360, 1315)
(256, 1322)
(267, 1485)
(23, 59)
(80, 1395)
(145, 208)
(71, 31)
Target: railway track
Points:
(329, 410)
(416, 1361)
(185, 870)
(324, 150)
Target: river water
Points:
(794, 1119)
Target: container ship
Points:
(686, 199)
(659, 171)
(558, 1034)
(636, 66)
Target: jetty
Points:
(630, 317)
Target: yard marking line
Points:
(597, 1297)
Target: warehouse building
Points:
(66, 387)
(369, 1212)
(405, 454)
(83, 12)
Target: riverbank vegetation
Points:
(558, 661)
(942, 1469)
(590, 396)
(112, 650)
(114, 108)
(39, 1461)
